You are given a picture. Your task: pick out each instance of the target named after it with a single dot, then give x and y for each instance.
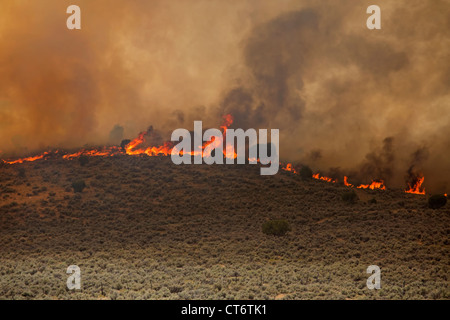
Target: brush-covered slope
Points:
(144, 228)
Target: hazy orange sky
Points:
(312, 69)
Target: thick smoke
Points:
(133, 63)
(346, 99)
(338, 90)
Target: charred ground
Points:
(144, 228)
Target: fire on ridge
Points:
(415, 187)
(133, 148)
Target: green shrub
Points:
(84, 160)
(306, 173)
(437, 201)
(276, 227)
(78, 186)
(349, 196)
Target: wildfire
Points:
(374, 185)
(346, 182)
(327, 179)
(29, 159)
(205, 150)
(129, 148)
(134, 148)
(253, 160)
(416, 186)
(290, 168)
(104, 152)
(229, 151)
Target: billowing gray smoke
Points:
(351, 101)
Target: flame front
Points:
(346, 182)
(416, 186)
(327, 179)
(28, 159)
(374, 185)
(104, 152)
(133, 148)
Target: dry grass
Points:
(147, 229)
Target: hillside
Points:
(145, 228)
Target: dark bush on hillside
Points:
(276, 227)
(78, 186)
(84, 160)
(349, 196)
(306, 173)
(124, 143)
(437, 201)
(21, 173)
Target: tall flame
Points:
(346, 182)
(28, 159)
(229, 151)
(416, 186)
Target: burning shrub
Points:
(84, 160)
(78, 186)
(276, 227)
(437, 201)
(349, 196)
(306, 173)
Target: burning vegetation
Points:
(415, 186)
(139, 146)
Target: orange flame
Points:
(327, 179)
(253, 160)
(229, 151)
(374, 185)
(289, 168)
(29, 159)
(129, 148)
(346, 182)
(416, 186)
(104, 152)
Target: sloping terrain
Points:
(145, 228)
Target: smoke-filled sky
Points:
(375, 103)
